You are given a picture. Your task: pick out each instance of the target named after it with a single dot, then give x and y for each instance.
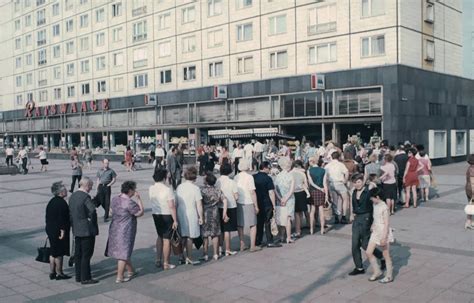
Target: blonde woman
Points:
(285, 188)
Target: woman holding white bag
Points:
(469, 191)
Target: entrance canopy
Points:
(248, 133)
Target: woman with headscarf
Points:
(284, 190)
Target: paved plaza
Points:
(433, 256)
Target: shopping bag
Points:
(198, 242)
(176, 242)
(44, 253)
(327, 209)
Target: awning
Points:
(248, 133)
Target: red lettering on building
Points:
(93, 105)
(53, 110)
(37, 112)
(73, 108)
(45, 111)
(83, 106)
(105, 104)
(63, 108)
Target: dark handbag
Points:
(198, 242)
(44, 253)
(176, 242)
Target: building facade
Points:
(90, 66)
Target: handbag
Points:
(327, 209)
(176, 243)
(273, 226)
(198, 242)
(44, 253)
(469, 208)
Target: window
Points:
(29, 79)
(40, 2)
(138, 7)
(116, 9)
(215, 69)
(69, 5)
(43, 95)
(458, 143)
(56, 51)
(165, 76)
(164, 49)
(41, 37)
(118, 84)
(18, 62)
(117, 34)
(84, 21)
(27, 20)
(373, 46)
(189, 44)
(322, 19)
(40, 17)
(85, 89)
(28, 40)
(84, 43)
(434, 109)
(56, 31)
(42, 80)
(100, 15)
(214, 8)
(277, 25)
(69, 47)
(429, 13)
(29, 97)
(101, 86)
(189, 14)
(84, 66)
(278, 59)
(461, 111)
(100, 63)
(139, 31)
(55, 9)
(17, 43)
(245, 65)
(189, 73)
(70, 69)
(71, 91)
(57, 93)
(100, 39)
(141, 80)
(17, 25)
(18, 81)
(69, 25)
(118, 59)
(243, 3)
(437, 143)
(430, 50)
(57, 73)
(19, 100)
(164, 21)
(42, 56)
(29, 59)
(323, 53)
(244, 32)
(214, 38)
(82, 2)
(17, 5)
(140, 57)
(371, 8)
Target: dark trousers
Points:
(400, 187)
(83, 251)
(236, 166)
(360, 238)
(24, 165)
(263, 222)
(9, 160)
(103, 195)
(74, 179)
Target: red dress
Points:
(411, 179)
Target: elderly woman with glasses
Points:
(57, 229)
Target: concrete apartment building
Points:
(85, 70)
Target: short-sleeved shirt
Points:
(425, 161)
(263, 184)
(9, 151)
(228, 188)
(372, 169)
(389, 168)
(336, 171)
(299, 177)
(258, 147)
(248, 149)
(317, 175)
(42, 155)
(106, 176)
(22, 154)
(159, 195)
(245, 185)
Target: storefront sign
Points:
(318, 81)
(220, 92)
(64, 108)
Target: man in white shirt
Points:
(337, 175)
(9, 153)
(258, 151)
(23, 157)
(237, 154)
(159, 155)
(248, 152)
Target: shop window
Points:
(458, 143)
(355, 102)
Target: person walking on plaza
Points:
(265, 190)
(159, 155)
(381, 236)
(389, 182)
(123, 229)
(163, 207)
(248, 153)
(88, 157)
(401, 159)
(9, 151)
(284, 190)
(211, 228)
(57, 229)
(337, 175)
(173, 167)
(258, 152)
(317, 179)
(410, 178)
(190, 212)
(247, 207)
(469, 188)
(363, 210)
(84, 228)
(23, 158)
(43, 157)
(106, 177)
(301, 196)
(237, 155)
(228, 211)
(128, 158)
(372, 168)
(76, 166)
(424, 176)
(224, 156)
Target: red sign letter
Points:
(37, 112)
(105, 104)
(53, 110)
(83, 106)
(93, 105)
(45, 111)
(73, 108)
(63, 108)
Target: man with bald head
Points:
(105, 179)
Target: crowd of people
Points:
(271, 193)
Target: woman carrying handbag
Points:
(469, 209)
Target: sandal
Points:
(125, 279)
(132, 275)
(230, 253)
(386, 280)
(158, 263)
(243, 248)
(167, 266)
(376, 277)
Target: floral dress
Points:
(211, 198)
(283, 186)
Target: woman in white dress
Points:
(190, 212)
(381, 236)
(285, 187)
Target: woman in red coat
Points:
(410, 178)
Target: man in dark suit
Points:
(84, 228)
(173, 168)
